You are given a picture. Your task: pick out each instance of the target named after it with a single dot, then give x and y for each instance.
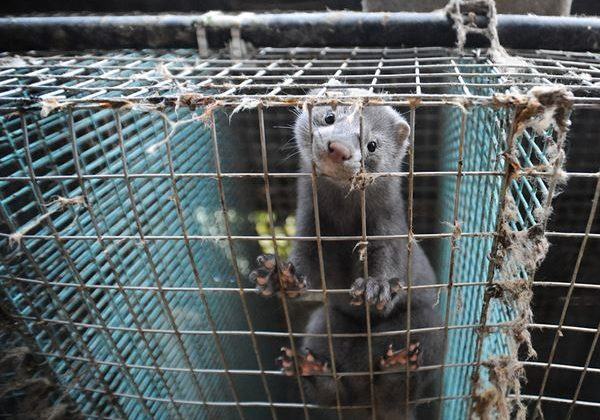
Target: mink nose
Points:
(338, 152)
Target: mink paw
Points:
(308, 364)
(376, 291)
(266, 277)
(405, 359)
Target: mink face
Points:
(336, 147)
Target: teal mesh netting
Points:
(92, 257)
(486, 132)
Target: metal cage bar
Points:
(283, 295)
(315, 202)
(266, 29)
(565, 308)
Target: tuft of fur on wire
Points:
(58, 204)
(519, 253)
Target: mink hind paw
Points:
(266, 277)
(308, 364)
(405, 359)
(376, 291)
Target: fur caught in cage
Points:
(137, 188)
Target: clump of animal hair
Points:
(517, 294)
(484, 403)
(520, 252)
(361, 181)
(505, 375)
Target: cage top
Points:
(286, 77)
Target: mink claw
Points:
(286, 362)
(293, 283)
(308, 364)
(375, 291)
(404, 359)
(269, 277)
(357, 292)
(266, 260)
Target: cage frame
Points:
(233, 101)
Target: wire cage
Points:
(137, 187)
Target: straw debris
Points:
(51, 104)
(361, 181)
(58, 204)
(505, 373)
(464, 14)
(519, 251)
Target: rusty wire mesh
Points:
(126, 183)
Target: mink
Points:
(337, 151)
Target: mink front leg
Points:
(309, 364)
(270, 276)
(403, 359)
(387, 268)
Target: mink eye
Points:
(372, 146)
(329, 118)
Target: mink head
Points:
(336, 145)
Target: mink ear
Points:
(403, 130)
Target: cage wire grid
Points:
(126, 245)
